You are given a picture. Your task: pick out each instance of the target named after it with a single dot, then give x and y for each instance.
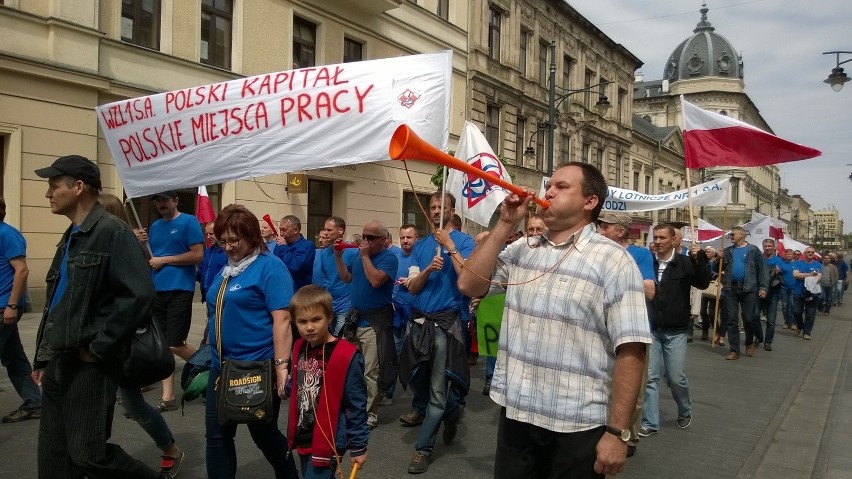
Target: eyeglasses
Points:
(371, 237)
(809, 252)
(233, 243)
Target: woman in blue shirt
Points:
(255, 326)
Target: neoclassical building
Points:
(61, 58)
(707, 70)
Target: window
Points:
(525, 36)
(494, 19)
(411, 213)
(492, 127)
(596, 155)
(320, 201)
(444, 9)
(566, 149)
(622, 100)
(588, 81)
(304, 43)
(539, 152)
(602, 90)
(543, 68)
(635, 181)
(567, 70)
(648, 184)
(735, 190)
(216, 18)
(520, 140)
(148, 213)
(619, 173)
(140, 22)
(353, 51)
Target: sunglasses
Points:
(371, 237)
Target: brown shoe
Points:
(732, 356)
(750, 350)
(411, 419)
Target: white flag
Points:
(477, 198)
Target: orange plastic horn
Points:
(406, 145)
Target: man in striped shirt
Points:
(574, 334)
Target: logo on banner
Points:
(477, 189)
(408, 98)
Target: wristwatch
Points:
(279, 362)
(12, 306)
(453, 251)
(623, 434)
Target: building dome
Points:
(705, 53)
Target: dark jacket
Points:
(108, 295)
(756, 273)
(671, 300)
(417, 352)
(299, 258)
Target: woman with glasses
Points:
(255, 326)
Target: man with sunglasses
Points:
(369, 323)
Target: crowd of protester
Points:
(590, 322)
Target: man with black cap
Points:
(98, 293)
(177, 245)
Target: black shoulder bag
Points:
(150, 360)
(244, 388)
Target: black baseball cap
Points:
(76, 166)
(166, 195)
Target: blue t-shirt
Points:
(62, 280)
(440, 292)
(325, 275)
(787, 280)
(250, 297)
(12, 245)
(171, 238)
(299, 259)
(738, 253)
(803, 267)
(270, 245)
(364, 295)
(644, 260)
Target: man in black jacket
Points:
(669, 324)
(99, 292)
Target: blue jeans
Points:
(309, 471)
(838, 292)
(14, 359)
(442, 402)
(222, 455)
(826, 298)
(668, 348)
(805, 313)
(745, 301)
(339, 321)
(770, 302)
(147, 417)
(490, 364)
(787, 305)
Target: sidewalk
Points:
(785, 413)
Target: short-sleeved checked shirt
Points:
(559, 333)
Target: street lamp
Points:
(837, 78)
(602, 105)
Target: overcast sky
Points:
(781, 42)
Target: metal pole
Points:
(551, 119)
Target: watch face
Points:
(625, 435)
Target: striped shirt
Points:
(559, 333)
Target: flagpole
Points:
(138, 223)
(443, 202)
(719, 278)
(691, 208)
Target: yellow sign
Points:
(297, 183)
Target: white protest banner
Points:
(275, 123)
(712, 193)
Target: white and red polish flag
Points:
(711, 139)
(477, 198)
(708, 232)
(203, 207)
